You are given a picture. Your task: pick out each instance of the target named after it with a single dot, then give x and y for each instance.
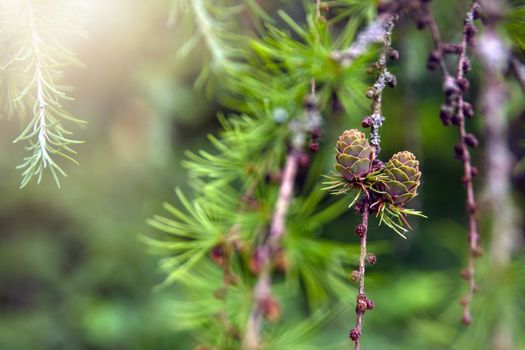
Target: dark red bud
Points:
(471, 140)
(366, 122)
(361, 304)
(360, 230)
(466, 319)
(456, 119)
(355, 276)
(470, 31)
(371, 258)
(421, 23)
(450, 86)
(466, 274)
(466, 65)
(476, 13)
(459, 152)
(394, 54)
(304, 160)
(446, 114)
(217, 255)
(392, 81)
(369, 304)
(468, 110)
(451, 48)
(313, 147)
(433, 59)
(355, 334)
(271, 309)
(463, 84)
(316, 133)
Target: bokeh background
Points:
(73, 274)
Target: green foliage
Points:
(515, 25)
(285, 61)
(499, 306)
(234, 190)
(32, 32)
(210, 246)
(72, 275)
(212, 26)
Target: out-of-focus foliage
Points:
(73, 274)
(515, 24)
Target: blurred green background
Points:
(73, 274)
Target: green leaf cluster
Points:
(235, 185)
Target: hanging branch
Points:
(374, 121)
(38, 57)
(386, 188)
(454, 112)
(462, 153)
(264, 304)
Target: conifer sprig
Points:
(240, 185)
(32, 32)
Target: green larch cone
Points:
(354, 155)
(401, 178)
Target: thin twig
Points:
(374, 33)
(381, 31)
(454, 111)
(473, 235)
(264, 302)
(318, 9)
(262, 291)
(41, 126)
(384, 78)
(436, 36)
